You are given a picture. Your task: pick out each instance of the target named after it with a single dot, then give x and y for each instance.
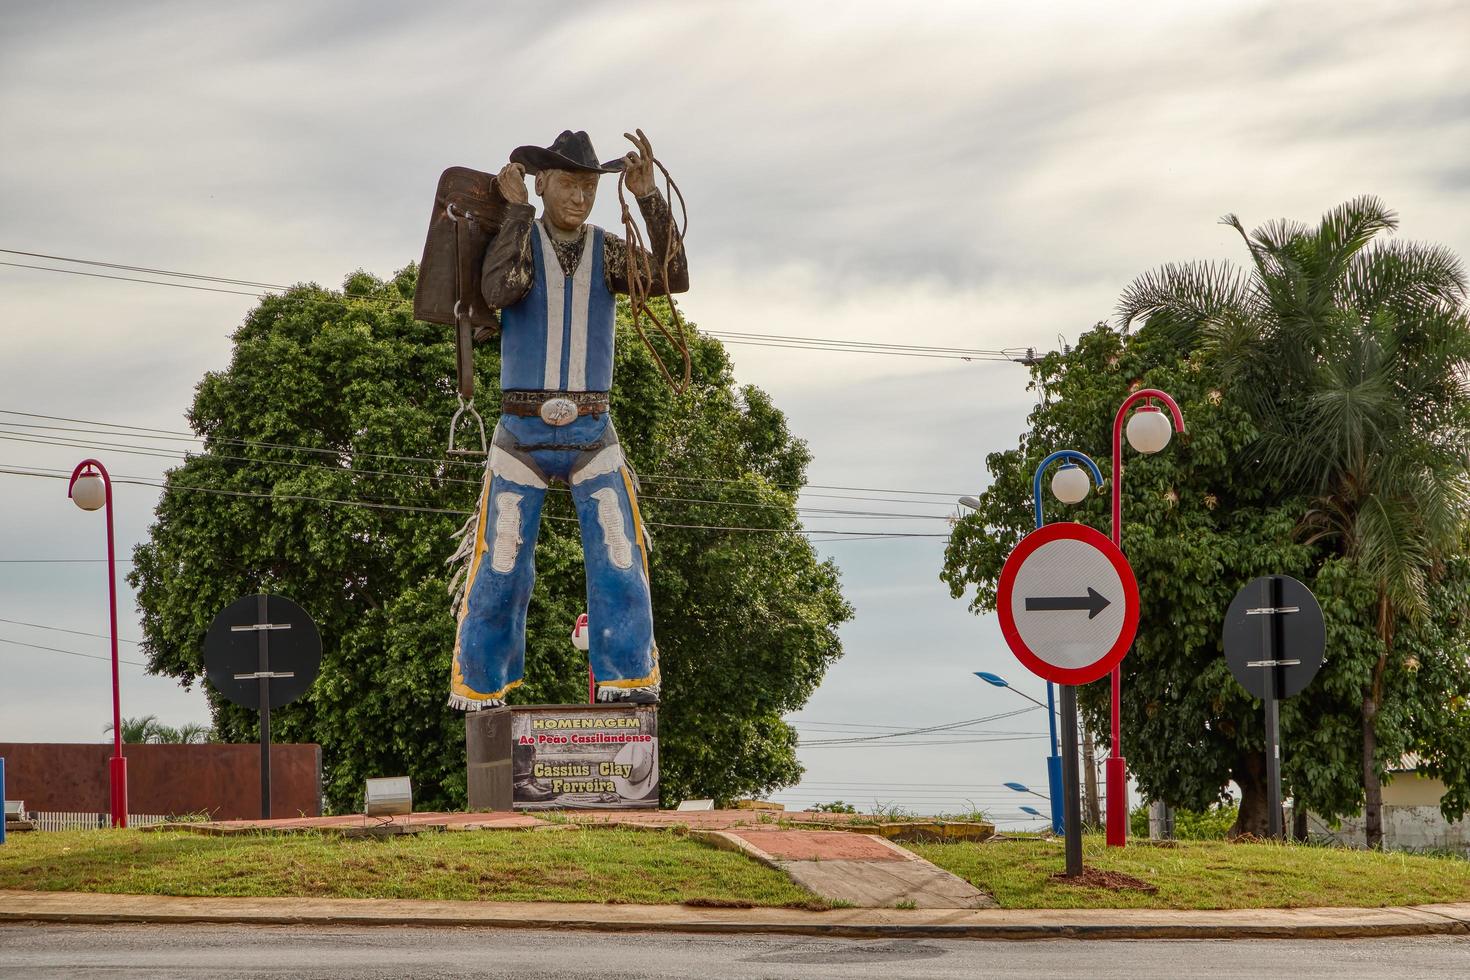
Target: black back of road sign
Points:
(1275, 618)
(232, 648)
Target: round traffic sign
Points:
(1275, 622)
(232, 650)
(1068, 603)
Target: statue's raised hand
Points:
(512, 181)
(638, 164)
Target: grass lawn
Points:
(564, 865)
(1205, 875)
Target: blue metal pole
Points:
(1054, 761)
(1056, 789)
(2, 799)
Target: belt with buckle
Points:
(554, 407)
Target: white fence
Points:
(91, 821)
(1405, 828)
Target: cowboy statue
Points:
(554, 281)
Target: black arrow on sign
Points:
(1093, 602)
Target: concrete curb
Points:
(993, 924)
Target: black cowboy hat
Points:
(571, 151)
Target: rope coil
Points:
(640, 277)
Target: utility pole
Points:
(1093, 816)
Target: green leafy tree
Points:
(1350, 353)
(324, 479)
(1196, 528)
(1232, 499)
(1198, 524)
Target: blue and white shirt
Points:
(559, 337)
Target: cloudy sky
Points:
(969, 175)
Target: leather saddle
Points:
(467, 210)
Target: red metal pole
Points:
(117, 766)
(1116, 769)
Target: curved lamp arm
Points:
(1142, 394)
(1070, 455)
(1147, 394)
(81, 471)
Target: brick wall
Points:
(221, 780)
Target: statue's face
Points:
(568, 196)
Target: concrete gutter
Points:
(1321, 923)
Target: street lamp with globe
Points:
(1070, 484)
(91, 489)
(1149, 430)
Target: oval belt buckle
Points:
(558, 411)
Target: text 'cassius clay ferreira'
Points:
(554, 280)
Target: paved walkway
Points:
(860, 869)
(19, 906)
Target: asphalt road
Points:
(203, 951)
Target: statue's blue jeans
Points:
(490, 646)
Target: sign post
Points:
(1068, 607)
(1070, 485)
(263, 652)
(1072, 792)
(1274, 640)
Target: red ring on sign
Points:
(1067, 530)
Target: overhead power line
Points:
(60, 629)
(412, 508)
(55, 561)
(800, 722)
(849, 784)
(180, 435)
(931, 729)
(151, 282)
(70, 653)
(953, 731)
(808, 512)
(141, 268)
(989, 798)
(9, 434)
(733, 337)
(899, 745)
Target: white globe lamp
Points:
(581, 639)
(1149, 430)
(1070, 484)
(89, 492)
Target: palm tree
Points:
(149, 730)
(1352, 354)
(137, 731)
(193, 733)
